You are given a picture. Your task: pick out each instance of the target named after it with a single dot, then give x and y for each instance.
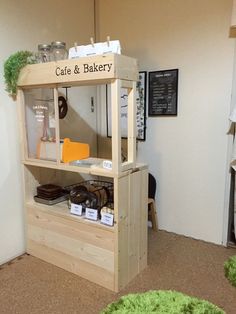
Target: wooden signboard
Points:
(163, 92)
(92, 70)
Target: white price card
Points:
(107, 219)
(91, 213)
(76, 209)
(107, 164)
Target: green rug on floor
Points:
(161, 302)
(230, 270)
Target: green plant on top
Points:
(12, 68)
(230, 270)
(161, 302)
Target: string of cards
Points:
(110, 46)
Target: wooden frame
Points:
(108, 256)
(140, 100)
(163, 93)
(117, 70)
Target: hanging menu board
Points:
(163, 92)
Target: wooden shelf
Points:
(68, 167)
(82, 169)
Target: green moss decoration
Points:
(161, 302)
(12, 67)
(230, 270)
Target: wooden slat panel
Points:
(121, 203)
(73, 229)
(61, 210)
(86, 270)
(122, 256)
(135, 208)
(143, 220)
(74, 247)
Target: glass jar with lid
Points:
(44, 53)
(59, 51)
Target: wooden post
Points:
(132, 125)
(116, 132)
(21, 117)
(57, 131)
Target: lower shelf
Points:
(85, 249)
(62, 210)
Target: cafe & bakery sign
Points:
(83, 68)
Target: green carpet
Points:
(230, 270)
(161, 302)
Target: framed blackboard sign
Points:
(163, 92)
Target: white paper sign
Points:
(76, 209)
(52, 122)
(97, 49)
(107, 219)
(91, 213)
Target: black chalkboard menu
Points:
(163, 92)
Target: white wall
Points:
(23, 26)
(188, 153)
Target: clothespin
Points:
(75, 45)
(108, 41)
(92, 41)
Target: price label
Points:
(107, 219)
(76, 209)
(91, 213)
(107, 164)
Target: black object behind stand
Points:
(151, 186)
(152, 215)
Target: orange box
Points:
(74, 150)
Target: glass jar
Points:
(44, 53)
(59, 51)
